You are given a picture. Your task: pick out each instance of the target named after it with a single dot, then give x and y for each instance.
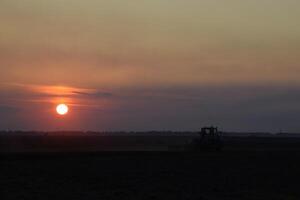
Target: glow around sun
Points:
(62, 109)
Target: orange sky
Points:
(107, 54)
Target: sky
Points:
(150, 65)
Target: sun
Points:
(62, 109)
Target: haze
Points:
(150, 65)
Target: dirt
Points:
(244, 174)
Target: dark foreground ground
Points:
(251, 173)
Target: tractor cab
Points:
(209, 139)
(211, 132)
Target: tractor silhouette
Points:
(209, 140)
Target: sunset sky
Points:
(150, 64)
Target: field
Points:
(248, 168)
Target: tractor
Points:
(209, 139)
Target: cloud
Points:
(8, 109)
(24, 95)
(235, 107)
(59, 90)
(93, 94)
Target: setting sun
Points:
(62, 109)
